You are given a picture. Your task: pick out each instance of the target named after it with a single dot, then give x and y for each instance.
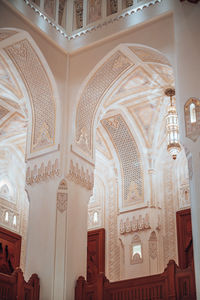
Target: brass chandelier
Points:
(173, 144)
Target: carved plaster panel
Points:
(169, 218)
(149, 55)
(192, 118)
(112, 7)
(40, 92)
(78, 14)
(134, 225)
(79, 176)
(153, 245)
(97, 26)
(129, 156)
(92, 95)
(94, 10)
(43, 172)
(49, 8)
(113, 252)
(62, 196)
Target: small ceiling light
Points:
(173, 146)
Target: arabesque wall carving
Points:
(79, 176)
(78, 14)
(62, 196)
(134, 225)
(149, 55)
(40, 92)
(129, 156)
(192, 118)
(92, 95)
(43, 172)
(113, 249)
(169, 218)
(153, 245)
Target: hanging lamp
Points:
(173, 144)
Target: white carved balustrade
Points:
(75, 17)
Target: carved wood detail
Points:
(10, 249)
(15, 287)
(12, 283)
(174, 284)
(184, 236)
(95, 253)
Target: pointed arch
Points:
(26, 63)
(98, 84)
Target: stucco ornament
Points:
(62, 196)
(192, 118)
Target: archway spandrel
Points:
(40, 92)
(149, 55)
(91, 96)
(130, 159)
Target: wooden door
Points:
(95, 253)
(10, 249)
(184, 237)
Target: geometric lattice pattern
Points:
(129, 157)
(93, 94)
(40, 92)
(149, 55)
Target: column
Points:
(41, 234)
(187, 70)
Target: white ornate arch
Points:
(96, 88)
(28, 65)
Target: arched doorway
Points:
(120, 126)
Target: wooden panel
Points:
(10, 248)
(184, 237)
(174, 284)
(95, 253)
(14, 286)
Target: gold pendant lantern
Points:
(173, 145)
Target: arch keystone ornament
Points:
(192, 118)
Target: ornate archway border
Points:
(26, 60)
(96, 86)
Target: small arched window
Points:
(137, 249)
(14, 221)
(6, 216)
(95, 217)
(193, 118)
